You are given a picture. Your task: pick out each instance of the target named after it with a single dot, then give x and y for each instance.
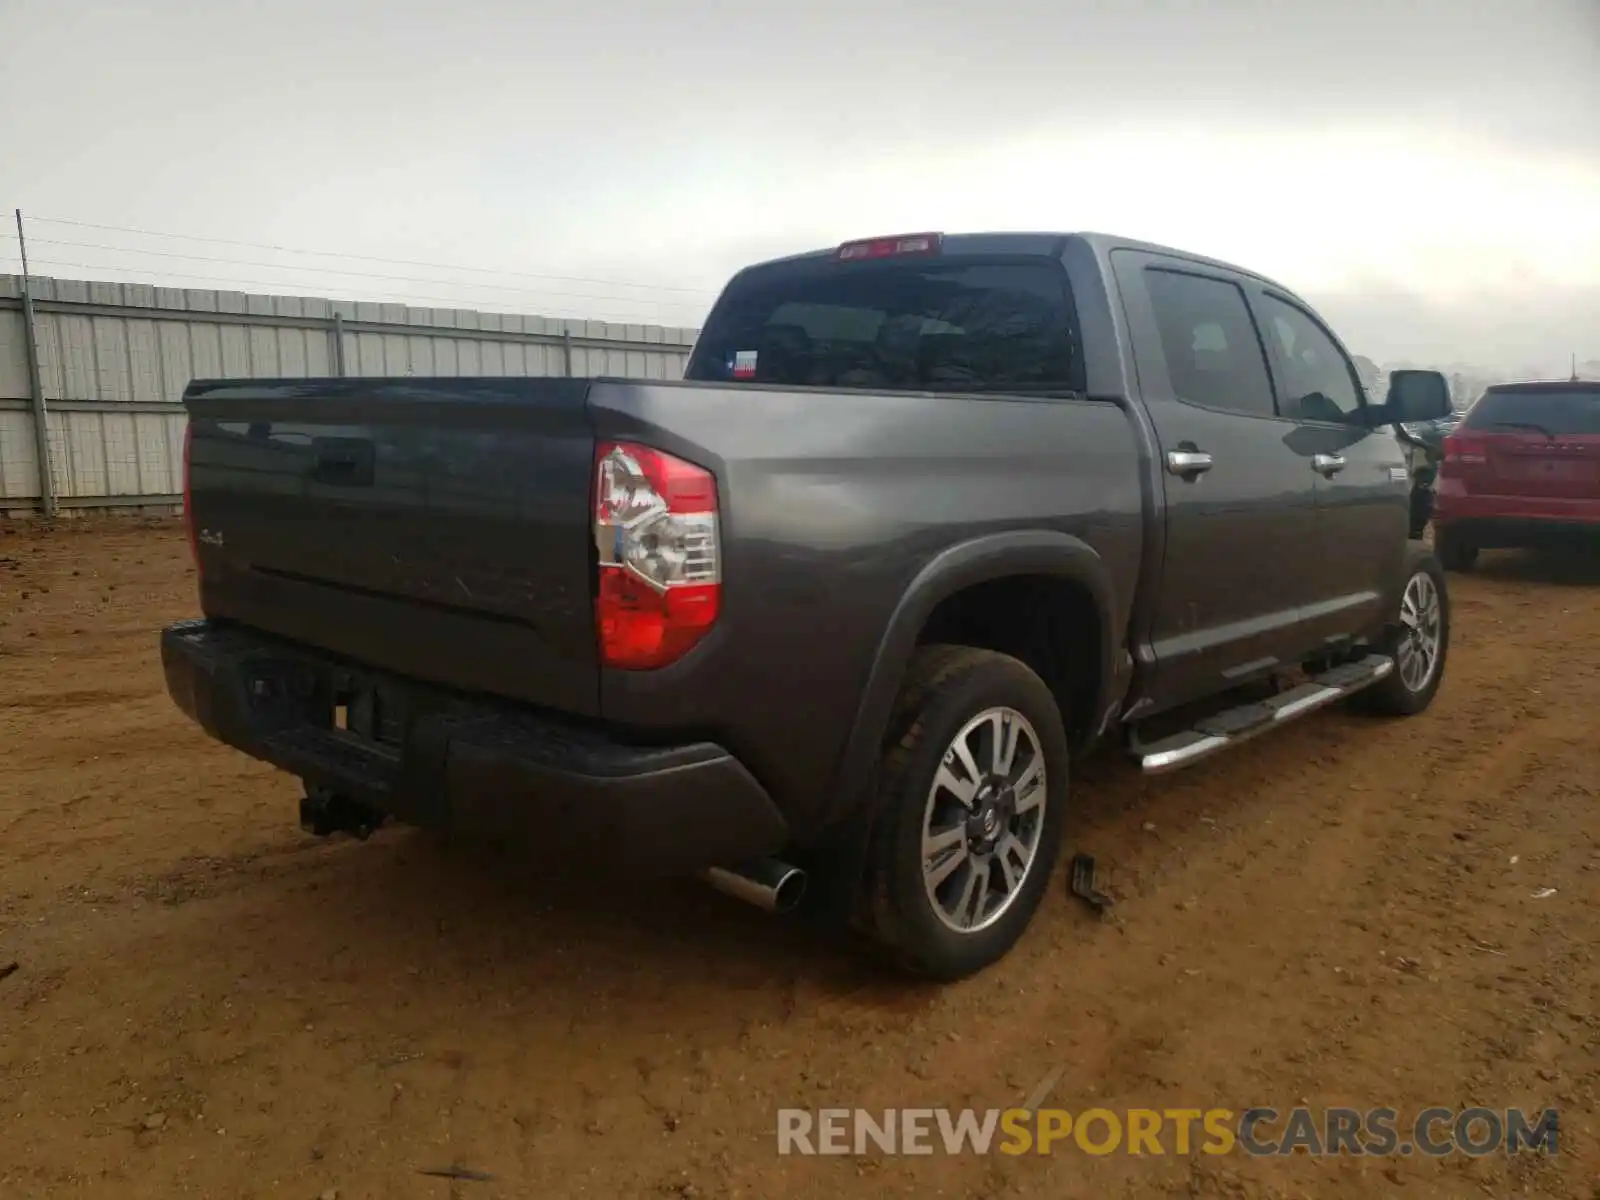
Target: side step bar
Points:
(1232, 726)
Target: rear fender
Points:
(979, 560)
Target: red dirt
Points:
(1342, 913)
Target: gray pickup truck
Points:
(928, 518)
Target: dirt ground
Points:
(208, 1002)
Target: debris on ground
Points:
(463, 1173)
(1083, 885)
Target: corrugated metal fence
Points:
(114, 358)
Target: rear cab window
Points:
(1559, 410)
(926, 323)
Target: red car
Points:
(1522, 468)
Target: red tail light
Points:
(655, 527)
(1465, 449)
(188, 501)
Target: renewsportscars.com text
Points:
(1259, 1132)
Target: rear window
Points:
(937, 326)
(1557, 412)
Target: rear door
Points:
(1537, 442)
(436, 528)
(1240, 536)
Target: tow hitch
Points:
(324, 812)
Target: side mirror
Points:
(1415, 397)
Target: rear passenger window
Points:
(1318, 382)
(1213, 355)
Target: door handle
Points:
(1327, 465)
(1188, 463)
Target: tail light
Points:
(1465, 450)
(655, 527)
(188, 499)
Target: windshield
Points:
(939, 326)
(1555, 412)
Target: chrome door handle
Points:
(1188, 462)
(1327, 464)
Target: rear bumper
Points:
(1454, 506)
(482, 768)
(1506, 521)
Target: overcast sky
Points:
(1426, 171)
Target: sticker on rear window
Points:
(743, 365)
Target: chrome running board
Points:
(1233, 726)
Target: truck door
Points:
(1240, 497)
(1363, 487)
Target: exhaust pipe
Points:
(770, 885)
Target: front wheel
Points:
(1455, 552)
(973, 788)
(1421, 510)
(1418, 642)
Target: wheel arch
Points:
(972, 564)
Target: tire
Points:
(1455, 553)
(949, 690)
(1421, 510)
(1409, 689)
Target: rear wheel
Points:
(1454, 551)
(1418, 642)
(972, 794)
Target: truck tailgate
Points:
(436, 528)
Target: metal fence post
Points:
(338, 345)
(566, 350)
(41, 418)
